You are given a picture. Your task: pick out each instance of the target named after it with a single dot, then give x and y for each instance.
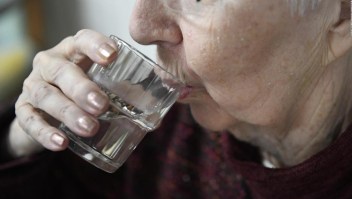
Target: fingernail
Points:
(57, 139)
(86, 124)
(97, 100)
(106, 50)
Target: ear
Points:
(340, 34)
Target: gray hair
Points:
(301, 7)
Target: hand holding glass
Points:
(141, 92)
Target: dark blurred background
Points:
(28, 26)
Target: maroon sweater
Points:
(181, 160)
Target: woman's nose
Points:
(153, 23)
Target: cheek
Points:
(236, 41)
(237, 77)
(229, 66)
(231, 86)
(238, 49)
(242, 66)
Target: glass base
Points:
(90, 155)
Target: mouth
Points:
(185, 92)
(189, 85)
(179, 67)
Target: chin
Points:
(212, 119)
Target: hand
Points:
(58, 90)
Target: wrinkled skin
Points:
(270, 78)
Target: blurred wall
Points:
(16, 50)
(66, 17)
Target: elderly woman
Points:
(267, 113)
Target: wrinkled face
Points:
(245, 60)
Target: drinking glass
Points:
(141, 93)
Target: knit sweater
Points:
(182, 160)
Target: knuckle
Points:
(39, 58)
(27, 83)
(80, 33)
(20, 106)
(66, 45)
(68, 39)
(29, 119)
(65, 109)
(19, 103)
(41, 93)
(56, 71)
(26, 123)
(40, 132)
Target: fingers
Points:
(19, 143)
(70, 80)
(59, 86)
(97, 47)
(49, 98)
(35, 126)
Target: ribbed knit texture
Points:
(182, 160)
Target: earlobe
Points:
(340, 35)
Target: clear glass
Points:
(141, 92)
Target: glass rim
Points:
(146, 58)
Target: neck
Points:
(319, 118)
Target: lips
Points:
(177, 65)
(189, 79)
(184, 92)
